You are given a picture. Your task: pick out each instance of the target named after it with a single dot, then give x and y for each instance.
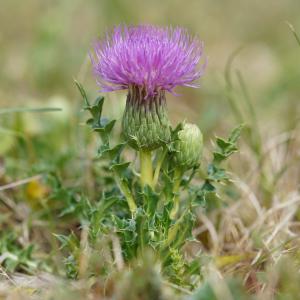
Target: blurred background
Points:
(44, 46)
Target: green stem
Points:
(146, 168)
(174, 230)
(158, 166)
(177, 180)
(126, 192)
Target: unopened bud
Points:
(188, 147)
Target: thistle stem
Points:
(158, 166)
(126, 192)
(177, 180)
(146, 168)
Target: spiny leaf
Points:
(227, 147)
(68, 241)
(174, 137)
(104, 126)
(112, 153)
(216, 173)
(235, 133)
(119, 167)
(82, 92)
(181, 230)
(151, 199)
(96, 111)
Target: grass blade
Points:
(292, 28)
(26, 109)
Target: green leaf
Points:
(236, 133)
(71, 265)
(96, 111)
(98, 123)
(181, 230)
(204, 293)
(70, 241)
(219, 157)
(174, 138)
(174, 133)
(151, 198)
(215, 173)
(82, 92)
(99, 213)
(227, 147)
(208, 187)
(119, 167)
(185, 182)
(104, 126)
(234, 288)
(223, 144)
(194, 267)
(112, 153)
(127, 228)
(207, 197)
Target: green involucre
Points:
(188, 147)
(145, 121)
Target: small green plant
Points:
(15, 257)
(156, 213)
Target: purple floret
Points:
(149, 57)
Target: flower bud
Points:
(145, 121)
(188, 147)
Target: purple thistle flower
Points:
(147, 57)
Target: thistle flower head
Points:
(149, 57)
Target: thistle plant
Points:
(147, 61)
(153, 208)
